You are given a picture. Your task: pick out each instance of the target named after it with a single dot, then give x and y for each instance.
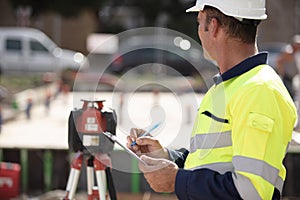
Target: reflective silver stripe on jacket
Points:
(245, 187)
(250, 165)
(279, 184)
(221, 167)
(257, 167)
(210, 141)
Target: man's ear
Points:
(214, 27)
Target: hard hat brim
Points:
(195, 8)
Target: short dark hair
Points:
(244, 30)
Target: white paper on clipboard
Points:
(114, 138)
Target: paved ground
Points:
(48, 129)
(58, 194)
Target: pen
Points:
(146, 133)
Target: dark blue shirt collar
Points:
(242, 67)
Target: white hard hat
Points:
(240, 9)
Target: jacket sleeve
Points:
(205, 184)
(262, 124)
(212, 184)
(178, 156)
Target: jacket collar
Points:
(242, 67)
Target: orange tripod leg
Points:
(92, 194)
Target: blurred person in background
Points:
(244, 123)
(296, 57)
(286, 66)
(296, 46)
(28, 108)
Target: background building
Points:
(117, 16)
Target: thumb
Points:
(150, 161)
(152, 164)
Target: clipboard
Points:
(115, 139)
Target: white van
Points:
(28, 50)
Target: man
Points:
(244, 123)
(286, 65)
(296, 48)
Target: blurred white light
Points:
(185, 44)
(78, 57)
(102, 43)
(57, 52)
(177, 41)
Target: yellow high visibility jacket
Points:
(244, 125)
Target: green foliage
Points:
(16, 83)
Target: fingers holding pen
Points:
(134, 134)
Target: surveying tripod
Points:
(101, 164)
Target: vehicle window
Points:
(13, 45)
(36, 46)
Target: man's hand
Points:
(146, 145)
(159, 173)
